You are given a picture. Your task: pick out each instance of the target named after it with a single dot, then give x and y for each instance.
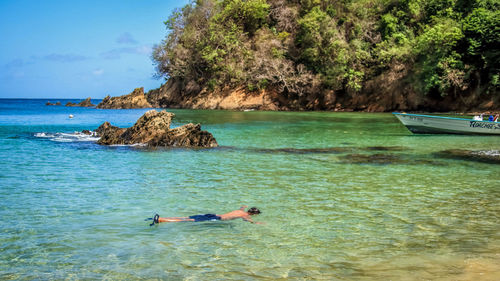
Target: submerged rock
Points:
(377, 158)
(326, 150)
(153, 129)
(85, 103)
(136, 99)
(386, 159)
(486, 156)
(385, 148)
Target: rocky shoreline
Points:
(136, 99)
(170, 95)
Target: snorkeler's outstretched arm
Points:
(243, 207)
(251, 221)
(248, 219)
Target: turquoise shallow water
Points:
(344, 196)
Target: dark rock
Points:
(386, 159)
(377, 158)
(168, 95)
(153, 129)
(136, 99)
(326, 150)
(148, 128)
(485, 156)
(109, 134)
(57, 103)
(385, 148)
(189, 135)
(85, 103)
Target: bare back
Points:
(236, 214)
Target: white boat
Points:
(428, 124)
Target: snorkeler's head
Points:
(253, 211)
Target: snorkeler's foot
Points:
(155, 219)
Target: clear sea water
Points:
(344, 196)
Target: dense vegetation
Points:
(305, 46)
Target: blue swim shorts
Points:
(205, 217)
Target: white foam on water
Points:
(135, 144)
(489, 152)
(78, 137)
(43, 135)
(68, 137)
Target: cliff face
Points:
(136, 99)
(384, 93)
(170, 96)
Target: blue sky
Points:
(79, 49)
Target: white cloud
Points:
(98, 72)
(117, 53)
(126, 38)
(65, 57)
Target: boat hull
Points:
(427, 124)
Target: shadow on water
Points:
(204, 226)
(372, 155)
(322, 150)
(198, 226)
(385, 148)
(14, 137)
(387, 159)
(327, 150)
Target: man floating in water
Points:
(236, 214)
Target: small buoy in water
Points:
(71, 116)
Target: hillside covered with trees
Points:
(374, 55)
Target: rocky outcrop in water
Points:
(50, 103)
(85, 103)
(153, 129)
(109, 134)
(136, 99)
(485, 156)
